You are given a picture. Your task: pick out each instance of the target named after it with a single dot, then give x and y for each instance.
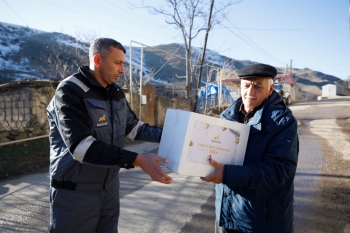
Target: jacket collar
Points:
(272, 102)
(85, 71)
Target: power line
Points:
(284, 29)
(94, 6)
(320, 57)
(326, 55)
(131, 12)
(250, 43)
(99, 21)
(16, 13)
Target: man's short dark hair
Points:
(102, 46)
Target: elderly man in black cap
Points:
(258, 196)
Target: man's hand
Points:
(216, 176)
(149, 164)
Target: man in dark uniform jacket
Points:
(89, 118)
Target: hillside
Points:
(31, 53)
(310, 82)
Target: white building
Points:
(332, 90)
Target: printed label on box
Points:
(206, 142)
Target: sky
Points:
(310, 34)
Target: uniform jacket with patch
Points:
(258, 196)
(88, 124)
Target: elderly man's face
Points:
(254, 91)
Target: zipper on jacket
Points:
(110, 95)
(112, 120)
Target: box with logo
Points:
(189, 139)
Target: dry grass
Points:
(20, 158)
(28, 157)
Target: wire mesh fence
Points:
(23, 108)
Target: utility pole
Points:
(203, 55)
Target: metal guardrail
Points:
(23, 140)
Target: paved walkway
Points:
(146, 206)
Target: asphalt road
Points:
(146, 206)
(187, 205)
(322, 182)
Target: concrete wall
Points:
(162, 104)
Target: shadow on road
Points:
(322, 175)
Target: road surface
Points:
(322, 186)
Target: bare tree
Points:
(203, 53)
(85, 37)
(124, 80)
(60, 60)
(54, 65)
(221, 73)
(190, 17)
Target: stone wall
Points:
(23, 109)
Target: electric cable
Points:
(154, 22)
(257, 47)
(16, 13)
(130, 21)
(107, 24)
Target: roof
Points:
(329, 85)
(288, 78)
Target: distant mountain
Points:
(31, 53)
(310, 82)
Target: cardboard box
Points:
(189, 138)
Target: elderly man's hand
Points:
(149, 164)
(216, 176)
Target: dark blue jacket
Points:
(258, 196)
(88, 124)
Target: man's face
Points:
(110, 66)
(254, 91)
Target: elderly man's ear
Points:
(271, 88)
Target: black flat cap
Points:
(257, 70)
